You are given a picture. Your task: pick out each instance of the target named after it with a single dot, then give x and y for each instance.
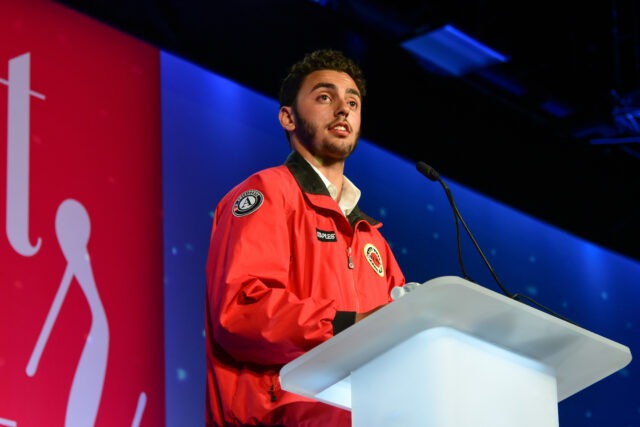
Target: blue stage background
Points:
(216, 132)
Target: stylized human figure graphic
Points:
(73, 230)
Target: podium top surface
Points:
(578, 357)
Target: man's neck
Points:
(333, 170)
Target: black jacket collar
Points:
(311, 183)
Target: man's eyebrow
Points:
(334, 87)
(354, 92)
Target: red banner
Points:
(81, 306)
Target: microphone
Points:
(433, 175)
(428, 171)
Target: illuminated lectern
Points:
(452, 353)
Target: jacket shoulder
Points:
(273, 182)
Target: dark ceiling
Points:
(575, 166)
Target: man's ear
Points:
(286, 118)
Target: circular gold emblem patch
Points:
(374, 259)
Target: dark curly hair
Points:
(324, 59)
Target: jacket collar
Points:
(311, 183)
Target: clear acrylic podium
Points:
(452, 353)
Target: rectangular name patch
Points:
(326, 236)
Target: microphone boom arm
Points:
(433, 175)
(458, 215)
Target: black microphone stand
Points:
(433, 175)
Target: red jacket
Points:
(283, 261)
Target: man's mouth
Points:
(341, 128)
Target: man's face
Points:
(327, 116)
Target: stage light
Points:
(453, 51)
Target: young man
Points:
(292, 259)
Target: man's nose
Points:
(342, 108)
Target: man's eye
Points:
(353, 104)
(324, 98)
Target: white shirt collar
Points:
(350, 193)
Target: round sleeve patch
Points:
(373, 257)
(247, 203)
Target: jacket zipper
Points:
(349, 259)
(272, 392)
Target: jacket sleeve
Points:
(255, 314)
